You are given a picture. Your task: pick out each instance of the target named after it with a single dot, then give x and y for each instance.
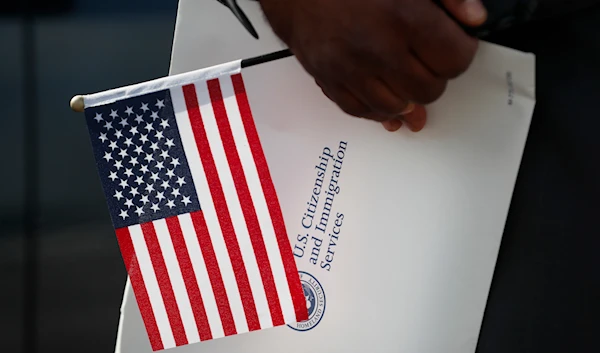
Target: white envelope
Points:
(408, 253)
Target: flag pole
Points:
(77, 103)
(261, 59)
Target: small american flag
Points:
(195, 212)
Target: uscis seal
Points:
(315, 302)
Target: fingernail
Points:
(416, 120)
(392, 125)
(412, 128)
(474, 11)
(409, 109)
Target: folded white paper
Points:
(395, 234)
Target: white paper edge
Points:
(205, 74)
(119, 339)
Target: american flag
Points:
(195, 211)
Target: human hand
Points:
(378, 59)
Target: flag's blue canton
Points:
(140, 158)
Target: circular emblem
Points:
(315, 302)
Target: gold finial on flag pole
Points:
(77, 104)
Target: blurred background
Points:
(61, 270)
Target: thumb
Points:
(469, 12)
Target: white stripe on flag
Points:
(206, 203)
(258, 198)
(197, 259)
(156, 300)
(234, 205)
(176, 277)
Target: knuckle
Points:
(462, 60)
(325, 59)
(376, 117)
(456, 70)
(379, 96)
(387, 106)
(433, 91)
(353, 109)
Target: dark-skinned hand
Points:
(379, 59)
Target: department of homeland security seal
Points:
(315, 302)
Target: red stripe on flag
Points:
(214, 273)
(164, 283)
(216, 190)
(189, 277)
(283, 241)
(248, 209)
(139, 288)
